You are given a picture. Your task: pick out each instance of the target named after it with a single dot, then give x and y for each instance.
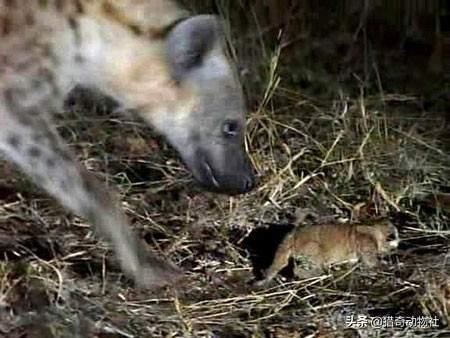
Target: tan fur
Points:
(322, 245)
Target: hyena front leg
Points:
(31, 143)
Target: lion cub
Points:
(319, 246)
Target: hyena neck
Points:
(115, 57)
(122, 66)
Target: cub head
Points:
(385, 234)
(208, 128)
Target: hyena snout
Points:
(230, 172)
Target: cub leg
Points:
(280, 260)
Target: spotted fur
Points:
(151, 57)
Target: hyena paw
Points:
(260, 282)
(158, 273)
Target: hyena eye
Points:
(230, 129)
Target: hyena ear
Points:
(190, 41)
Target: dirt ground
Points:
(345, 150)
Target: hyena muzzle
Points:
(153, 59)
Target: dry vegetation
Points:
(349, 132)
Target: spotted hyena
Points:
(152, 58)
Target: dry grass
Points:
(357, 152)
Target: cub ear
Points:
(189, 42)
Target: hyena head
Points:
(208, 131)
